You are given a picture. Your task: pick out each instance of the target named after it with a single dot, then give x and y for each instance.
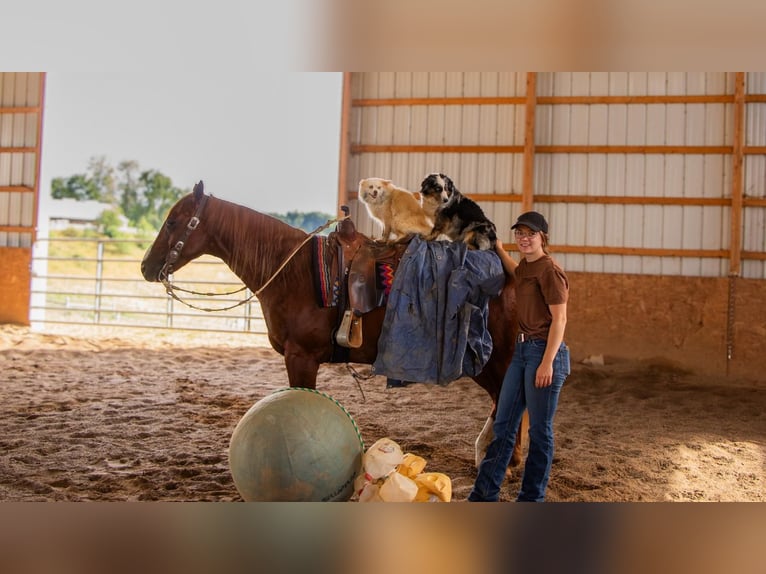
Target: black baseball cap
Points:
(535, 221)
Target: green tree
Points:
(79, 187)
(155, 195)
(308, 222)
(109, 222)
(103, 177)
(314, 219)
(127, 189)
(143, 197)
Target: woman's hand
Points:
(509, 265)
(544, 375)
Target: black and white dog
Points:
(456, 217)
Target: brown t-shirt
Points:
(539, 284)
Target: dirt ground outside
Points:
(119, 416)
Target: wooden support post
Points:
(527, 194)
(345, 119)
(38, 155)
(735, 247)
(737, 176)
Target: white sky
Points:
(267, 140)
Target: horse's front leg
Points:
(521, 432)
(487, 434)
(302, 370)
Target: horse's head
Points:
(181, 239)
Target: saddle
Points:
(362, 263)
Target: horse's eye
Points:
(170, 223)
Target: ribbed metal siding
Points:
(637, 175)
(754, 218)
(438, 125)
(622, 175)
(18, 168)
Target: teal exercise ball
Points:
(296, 445)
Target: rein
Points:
(174, 254)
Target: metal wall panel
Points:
(755, 178)
(673, 176)
(438, 125)
(717, 170)
(614, 177)
(18, 167)
(650, 175)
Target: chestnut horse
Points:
(258, 248)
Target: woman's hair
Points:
(546, 248)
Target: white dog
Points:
(398, 210)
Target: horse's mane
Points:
(256, 243)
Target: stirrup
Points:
(350, 331)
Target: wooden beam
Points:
(608, 199)
(18, 149)
(688, 99)
(528, 188)
(754, 201)
(735, 244)
(606, 149)
(638, 149)
(369, 148)
(475, 101)
(632, 200)
(17, 229)
(345, 119)
(16, 189)
(20, 110)
(555, 100)
(640, 251)
(498, 197)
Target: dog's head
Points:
(437, 190)
(372, 190)
(438, 186)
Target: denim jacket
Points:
(435, 326)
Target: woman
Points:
(539, 366)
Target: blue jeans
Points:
(517, 394)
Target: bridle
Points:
(175, 252)
(167, 269)
(173, 255)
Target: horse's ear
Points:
(199, 190)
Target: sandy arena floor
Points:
(148, 416)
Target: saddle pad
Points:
(326, 283)
(384, 274)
